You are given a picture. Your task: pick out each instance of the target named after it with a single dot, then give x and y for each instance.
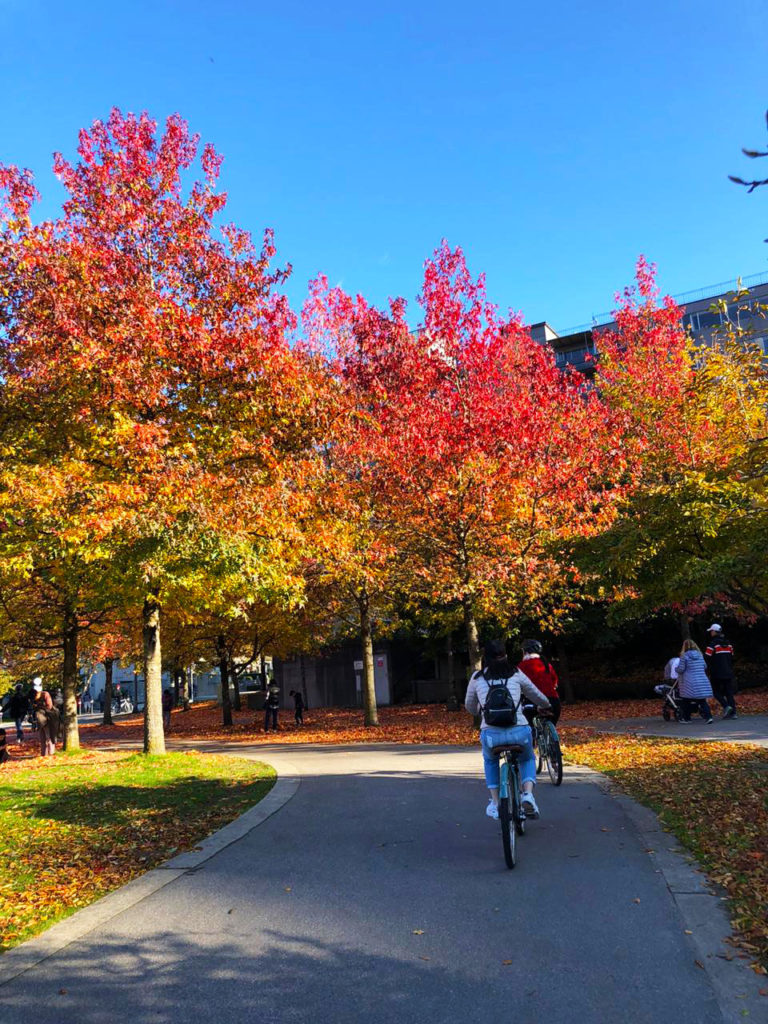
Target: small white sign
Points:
(358, 666)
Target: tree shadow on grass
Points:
(116, 804)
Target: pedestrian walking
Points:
(47, 718)
(694, 685)
(298, 706)
(18, 706)
(272, 706)
(167, 706)
(719, 655)
(87, 701)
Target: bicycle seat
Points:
(511, 748)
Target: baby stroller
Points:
(672, 706)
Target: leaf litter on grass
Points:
(77, 827)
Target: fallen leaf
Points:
(699, 964)
(636, 899)
(506, 963)
(418, 931)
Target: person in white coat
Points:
(498, 670)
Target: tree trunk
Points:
(226, 704)
(106, 718)
(237, 704)
(453, 692)
(182, 688)
(685, 627)
(154, 738)
(369, 688)
(175, 676)
(566, 688)
(70, 680)
(473, 640)
(303, 667)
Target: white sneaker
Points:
(492, 810)
(530, 806)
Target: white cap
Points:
(37, 683)
(715, 628)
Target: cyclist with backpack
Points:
(496, 693)
(542, 675)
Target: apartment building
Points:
(577, 346)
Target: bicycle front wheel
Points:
(508, 837)
(554, 756)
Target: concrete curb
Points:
(32, 952)
(703, 908)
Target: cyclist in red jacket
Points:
(542, 675)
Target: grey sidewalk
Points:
(744, 729)
(378, 893)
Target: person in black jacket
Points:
(298, 706)
(271, 706)
(19, 706)
(719, 655)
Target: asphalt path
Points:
(378, 893)
(744, 729)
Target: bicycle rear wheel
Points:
(554, 756)
(508, 837)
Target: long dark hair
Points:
(496, 662)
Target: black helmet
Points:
(531, 647)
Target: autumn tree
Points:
(494, 458)
(692, 525)
(144, 343)
(351, 552)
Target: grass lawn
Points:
(75, 826)
(713, 797)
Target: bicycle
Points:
(511, 811)
(548, 751)
(123, 706)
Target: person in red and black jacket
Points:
(719, 655)
(541, 674)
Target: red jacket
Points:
(542, 676)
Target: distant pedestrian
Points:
(272, 706)
(167, 706)
(719, 655)
(87, 701)
(47, 718)
(298, 706)
(18, 707)
(694, 686)
(4, 755)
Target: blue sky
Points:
(554, 142)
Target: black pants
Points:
(723, 690)
(688, 704)
(299, 716)
(267, 713)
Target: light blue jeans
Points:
(494, 737)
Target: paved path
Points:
(744, 729)
(378, 893)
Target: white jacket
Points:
(517, 684)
